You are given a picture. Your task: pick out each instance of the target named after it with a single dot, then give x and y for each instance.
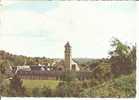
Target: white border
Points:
(58, 98)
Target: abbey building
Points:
(45, 71)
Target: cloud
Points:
(86, 25)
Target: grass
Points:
(30, 84)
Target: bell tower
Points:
(68, 58)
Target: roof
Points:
(67, 44)
(38, 73)
(74, 61)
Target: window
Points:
(74, 67)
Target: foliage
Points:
(36, 92)
(132, 57)
(4, 85)
(4, 81)
(18, 60)
(124, 86)
(3, 66)
(68, 76)
(96, 62)
(42, 92)
(46, 92)
(72, 89)
(123, 58)
(101, 73)
(16, 88)
(62, 90)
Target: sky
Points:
(42, 28)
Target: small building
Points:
(25, 68)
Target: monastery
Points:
(43, 72)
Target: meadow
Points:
(30, 84)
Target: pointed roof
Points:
(67, 44)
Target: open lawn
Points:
(30, 84)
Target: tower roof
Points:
(67, 44)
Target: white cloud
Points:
(88, 28)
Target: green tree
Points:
(16, 87)
(3, 66)
(121, 58)
(101, 73)
(4, 85)
(132, 57)
(19, 60)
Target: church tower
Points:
(68, 58)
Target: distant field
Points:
(29, 84)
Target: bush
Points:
(16, 88)
(101, 73)
(46, 92)
(69, 76)
(71, 89)
(36, 92)
(124, 86)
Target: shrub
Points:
(46, 92)
(36, 92)
(16, 88)
(124, 86)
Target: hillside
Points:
(21, 60)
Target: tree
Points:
(16, 87)
(19, 60)
(132, 57)
(101, 73)
(3, 65)
(94, 64)
(121, 57)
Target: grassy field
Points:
(30, 84)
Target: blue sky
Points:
(41, 28)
